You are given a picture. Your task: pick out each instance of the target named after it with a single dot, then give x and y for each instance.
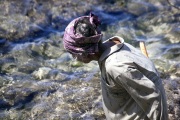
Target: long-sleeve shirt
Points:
(131, 86)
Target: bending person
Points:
(131, 87)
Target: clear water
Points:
(39, 80)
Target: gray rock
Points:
(41, 73)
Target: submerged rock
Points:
(41, 73)
(40, 80)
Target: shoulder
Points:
(116, 65)
(119, 58)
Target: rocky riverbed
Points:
(39, 80)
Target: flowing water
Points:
(39, 80)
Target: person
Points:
(131, 86)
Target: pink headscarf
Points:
(78, 44)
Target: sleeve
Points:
(141, 89)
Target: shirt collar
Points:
(112, 49)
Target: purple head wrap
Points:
(78, 44)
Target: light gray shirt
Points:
(131, 87)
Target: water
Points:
(40, 80)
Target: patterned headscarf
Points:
(78, 44)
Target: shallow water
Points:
(40, 80)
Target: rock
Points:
(41, 73)
(38, 109)
(177, 111)
(133, 7)
(31, 49)
(172, 53)
(155, 49)
(8, 64)
(2, 42)
(29, 67)
(38, 49)
(173, 35)
(76, 63)
(52, 51)
(162, 65)
(14, 27)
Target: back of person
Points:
(124, 71)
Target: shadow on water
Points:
(19, 104)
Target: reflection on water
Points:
(39, 80)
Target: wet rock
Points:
(14, 27)
(29, 67)
(76, 64)
(38, 109)
(2, 42)
(157, 24)
(8, 65)
(162, 65)
(133, 7)
(38, 49)
(174, 85)
(25, 18)
(174, 69)
(64, 67)
(173, 35)
(41, 73)
(72, 91)
(172, 53)
(162, 28)
(4, 104)
(15, 98)
(22, 53)
(2, 81)
(59, 75)
(61, 63)
(119, 31)
(171, 108)
(52, 51)
(155, 49)
(177, 73)
(177, 111)
(53, 74)
(17, 24)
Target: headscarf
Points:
(78, 44)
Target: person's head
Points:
(81, 38)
